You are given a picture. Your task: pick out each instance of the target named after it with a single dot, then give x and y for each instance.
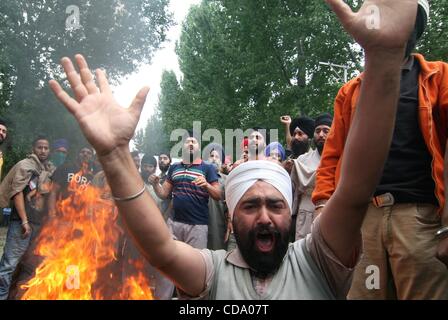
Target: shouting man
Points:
(258, 193)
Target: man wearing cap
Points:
(303, 177)
(407, 209)
(258, 193)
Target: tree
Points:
(113, 34)
(434, 42)
(153, 139)
(246, 63)
(253, 61)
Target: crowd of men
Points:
(282, 222)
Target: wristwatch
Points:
(442, 233)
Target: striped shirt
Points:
(190, 202)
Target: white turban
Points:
(247, 174)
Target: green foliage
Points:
(434, 43)
(246, 63)
(114, 34)
(153, 139)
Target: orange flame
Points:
(80, 246)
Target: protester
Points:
(27, 185)
(191, 183)
(407, 208)
(66, 178)
(303, 178)
(59, 152)
(258, 193)
(275, 152)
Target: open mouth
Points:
(264, 241)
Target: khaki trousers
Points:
(400, 246)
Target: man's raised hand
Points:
(396, 21)
(105, 124)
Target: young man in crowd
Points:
(27, 185)
(303, 176)
(191, 182)
(71, 175)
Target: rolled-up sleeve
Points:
(209, 272)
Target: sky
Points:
(150, 75)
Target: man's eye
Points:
(277, 205)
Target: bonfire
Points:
(81, 250)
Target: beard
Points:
(216, 164)
(319, 145)
(299, 147)
(262, 263)
(164, 167)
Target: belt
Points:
(383, 200)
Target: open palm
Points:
(396, 19)
(105, 124)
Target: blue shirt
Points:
(190, 202)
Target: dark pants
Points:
(15, 247)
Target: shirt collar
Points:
(234, 257)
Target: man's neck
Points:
(195, 161)
(257, 155)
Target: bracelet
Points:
(442, 232)
(138, 194)
(24, 223)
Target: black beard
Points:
(299, 147)
(262, 264)
(319, 146)
(164, 168)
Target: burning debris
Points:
(81, 246)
